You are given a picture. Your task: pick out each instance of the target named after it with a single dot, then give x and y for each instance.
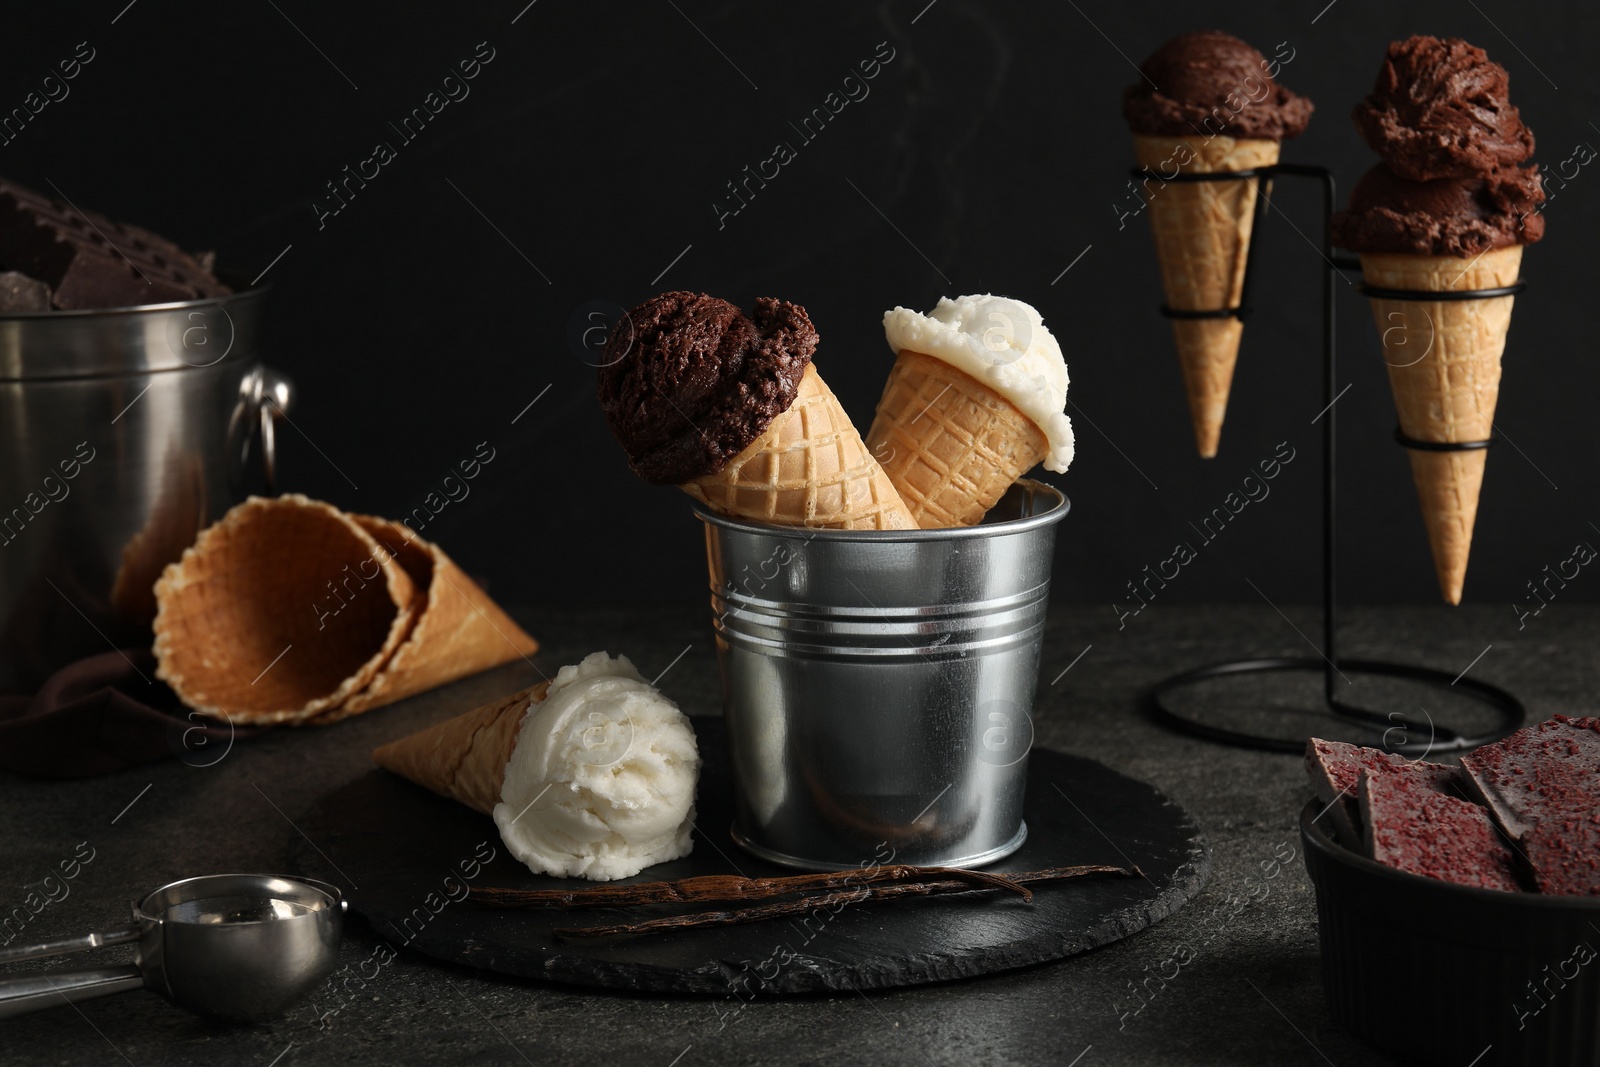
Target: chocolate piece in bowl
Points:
(1414, 823)
(88, 261)
(1541, 785)
(1335, 769)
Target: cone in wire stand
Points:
(1450, 208)
(281, 609)
(973, 402)
(1444, 369)
(1208, 103)
(1202, 232)
(464, 758)
(457, 629)
(730, 409)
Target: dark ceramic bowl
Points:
(1452, 975)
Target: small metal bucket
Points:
(878, 686)
(123, 433)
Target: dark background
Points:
(428, 314)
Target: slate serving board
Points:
(395, 848)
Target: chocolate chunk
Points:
(90, 261)
(1415, 824)
(1541, 785)
(1335, 769)
(18, 292)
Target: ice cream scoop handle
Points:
(19, 996)
(118, 936)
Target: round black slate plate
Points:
(397, 849)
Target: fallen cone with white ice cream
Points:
(730, 409)
(589, 775)
(1450, 207)
(1207, 103)
(974, 401)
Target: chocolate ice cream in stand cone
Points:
(464, 758)
(1448, 210)
(1208, 104)
(1202, 233)
(1444, 369)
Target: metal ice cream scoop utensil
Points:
(231, 946)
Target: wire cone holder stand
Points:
(1386, 730)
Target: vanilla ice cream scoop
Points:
(1004, 344)
(601, 781)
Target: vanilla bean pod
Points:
(836, 901)
(714, 888)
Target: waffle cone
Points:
(464, 758)
(280, 610)
(457, 629)
(810, 468)
(1202, 232)
(950, 444)
(290, 611)
(1444, 371)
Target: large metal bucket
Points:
(123, 433)
(878, 686)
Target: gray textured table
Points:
(1250, 993)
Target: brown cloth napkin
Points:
(103, 714)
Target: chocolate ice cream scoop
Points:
(689, 381)
(1210, 83)
(1444, 217)
(1441, 109)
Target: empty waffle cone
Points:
(1444, 371)
(251, 624)
(288, 610)
(1202, 232)
(456, 630)
(464, 758)
(810, 468)
(950, 444)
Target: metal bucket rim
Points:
(128, 309)
(1054, 513)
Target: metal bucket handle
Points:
(265, 396)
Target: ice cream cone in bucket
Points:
(1444, 369)
(464, 758)
(974, 401)
(952, 445)
(810, 468)
(1202, 233)
(728, 407)
(287, 610)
